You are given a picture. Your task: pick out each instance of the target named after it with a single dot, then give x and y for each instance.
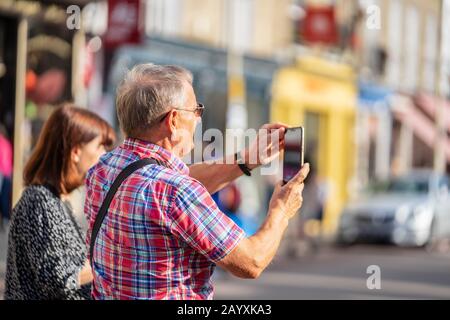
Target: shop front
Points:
(38, 56)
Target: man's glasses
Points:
(198, 111)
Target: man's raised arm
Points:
(252, 255)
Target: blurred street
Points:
(340, 273)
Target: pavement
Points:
(342, 273)
(334, 273)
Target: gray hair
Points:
(146, 92)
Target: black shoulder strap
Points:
(110, 195)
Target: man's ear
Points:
(172, 120)
(75, 154)
(173, 126)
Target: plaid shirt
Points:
(163, 232)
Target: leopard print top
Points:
(46, 249)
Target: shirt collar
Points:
(145, 149)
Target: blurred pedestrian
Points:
(6, 162)
(228, 200)
(158, 234)
(46, 248)
(311, 221)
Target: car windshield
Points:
(400, 185)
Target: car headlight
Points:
(403, 213)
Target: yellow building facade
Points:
(321, 96)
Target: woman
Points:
(46, 247)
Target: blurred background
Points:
(368, 79)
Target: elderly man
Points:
(162, 233)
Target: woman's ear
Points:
(75, 155)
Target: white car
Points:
(411, 210)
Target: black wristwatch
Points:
(241, 163)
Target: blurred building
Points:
(318, 90)
(248, 24)
(404, 61)
(321, 96)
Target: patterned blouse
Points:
(46, 249)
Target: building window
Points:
(445, 43)
(394, 42)
(241, 24)
(411, 54)
(430, 55)
(373, 54)
(163, 17)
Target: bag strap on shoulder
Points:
(125, 173)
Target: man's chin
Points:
(183, 152)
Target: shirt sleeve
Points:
(197, 220)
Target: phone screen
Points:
(293, 152)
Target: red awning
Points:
(429, 104)
(422, 126)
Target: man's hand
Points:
(85, 276)
(266, 147)
(252, 255)
(288, 198)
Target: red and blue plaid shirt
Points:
(163, 232)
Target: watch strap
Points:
(240, 162)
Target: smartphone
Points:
(293, 152)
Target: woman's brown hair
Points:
(67, 127)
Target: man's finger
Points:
(299, 188)
(271, 136)
(278, 186)
(276, 135)
(276, 125)
(302, 174)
